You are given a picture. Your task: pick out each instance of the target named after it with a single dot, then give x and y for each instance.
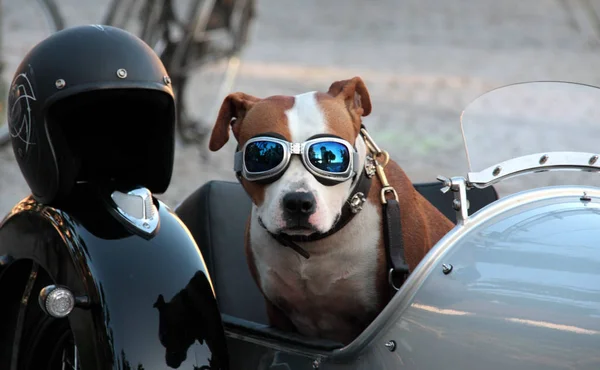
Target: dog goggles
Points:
(264, 159)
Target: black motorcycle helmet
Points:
(94, 104)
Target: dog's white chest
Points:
(326, 295)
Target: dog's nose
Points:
(299, 203)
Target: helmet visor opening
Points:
(124, 136)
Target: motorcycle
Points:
(84, 287)
(514, 284)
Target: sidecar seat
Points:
(216, 216)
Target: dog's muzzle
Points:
(297, 207)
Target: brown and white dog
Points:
(343, 286)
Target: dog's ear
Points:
(355, 95)
(232, 112)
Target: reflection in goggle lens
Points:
(329, 156)
(263, 156)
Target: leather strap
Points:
(283, 240)
(394, 245)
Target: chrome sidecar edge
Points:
(398, 320)
(512, 298)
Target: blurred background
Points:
(423, 61)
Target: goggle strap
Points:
(355, 161)
(238, 162)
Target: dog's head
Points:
(297, 203)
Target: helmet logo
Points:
(20, 120)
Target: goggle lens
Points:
(329, 156)
(261, 156)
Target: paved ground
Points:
(422, 60)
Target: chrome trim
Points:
(148, 218)
(257, 176)
(344, 176)
(75, 357)
(538, 162)
(461, 201)
(276, 345)
(374, 334)
(296, 148)
(459, 187)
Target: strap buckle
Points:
(381, 159)
(373, 147)
(384, 191)
(401, 270)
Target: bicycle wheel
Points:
(23, 23)
(141, 18)
(206, 60)
(199, 42)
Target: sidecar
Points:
(516, 283)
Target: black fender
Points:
(150, 300)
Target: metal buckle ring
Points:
(386, 158)
(391, 280)
(373, 147)
(385, 190)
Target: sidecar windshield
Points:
(532, 118)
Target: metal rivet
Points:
(543, 159)
(497, 171)
(316, 364)
(456, 204)
(356, 202)
(447, 268)
(60, 83)
(370, 166)
(391, 345)
(167, 80)
(593, 159)
(121, 73)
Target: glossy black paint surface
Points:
(138, 288)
